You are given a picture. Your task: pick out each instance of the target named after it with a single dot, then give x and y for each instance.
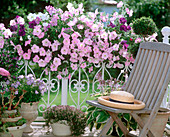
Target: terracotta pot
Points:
(30, 113)
(159, 123)
(60, 129)
(14, 131)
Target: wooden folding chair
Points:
(147, 82)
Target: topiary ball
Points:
(144, 26)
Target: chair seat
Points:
(111, 109)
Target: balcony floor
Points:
(40, 131)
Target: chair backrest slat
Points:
(149, 72)
(142, 80)
(151, 77)
(136, 72)
(134, 67)
(163, 72)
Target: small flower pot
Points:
(60, 129)
(30, 113)
(14, 131)
(11, 119)
(10, 111)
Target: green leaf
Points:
(102, 117)
(91, 108)
(110, 130)
(91, 126)
(134, 126)
(119, 131)
(95, 113)
(90, 119)
(98, 125)
(88, 114)
(127, 117)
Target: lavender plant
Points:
(67, 115)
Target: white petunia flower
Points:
(31, 16)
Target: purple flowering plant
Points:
(32, 88)
(58, 40)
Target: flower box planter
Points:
(30, 113)
(60, 129)
(14, 131)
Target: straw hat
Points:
(121, 99)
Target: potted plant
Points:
(65, 120)
(145, 27)
(34, 89)
(12, 122)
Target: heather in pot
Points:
(66, 115)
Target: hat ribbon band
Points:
(120, 101)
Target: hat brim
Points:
(104, 100)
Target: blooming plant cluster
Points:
(34, 88)
(58, 40)
(9, 104)
(68, 115)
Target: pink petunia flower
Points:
(115, 47)
(79, 26)
(95, 27)
(138, 40)
(64, 51)
(36, 58)
(59, 76)
(27, 42)
(20, 52)
(36, 31)
(26, 56)
(105, 55)
(42, 51)
(4, 72)
(47, 59)
(66, 41)
(90, 69)
(83, 65)
(57, 61)
(112, 35)
(53, 67)
(120, 4)
(35, 48)
(1, 42)
(7, 33)
(46, 43)
(42, 63)
(74, 66)
(129, 12)
(41, 35)
(74, 55)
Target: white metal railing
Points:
(166, 100)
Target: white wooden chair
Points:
(147, 82)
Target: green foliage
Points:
(144, 26)
(62, 4)
(158, 10)
(11, 8)
(97, 117)
(67, 115)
